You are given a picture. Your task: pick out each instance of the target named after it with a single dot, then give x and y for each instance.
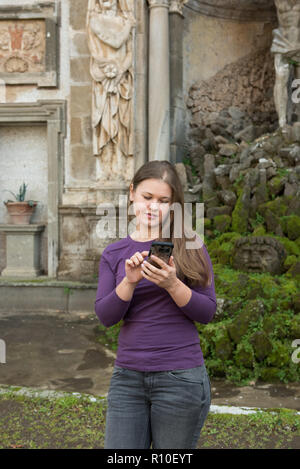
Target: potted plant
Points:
(20, 211)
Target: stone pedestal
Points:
(22, 250)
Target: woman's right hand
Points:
(133, 266)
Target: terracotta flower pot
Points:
(20, 212)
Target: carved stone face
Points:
(258, 257)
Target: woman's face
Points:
(152, 196)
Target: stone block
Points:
(76, 136)
(81, 100)
(78, 11)
(82, 162)
(80, 69)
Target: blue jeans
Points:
(164, 408)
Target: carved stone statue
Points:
(259, 254)
(285, 46)
(109, 26)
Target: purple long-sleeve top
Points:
(156, 334)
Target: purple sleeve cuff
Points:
(200, 307)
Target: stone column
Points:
(177, 106)
(159, 81)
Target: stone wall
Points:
(72, 177)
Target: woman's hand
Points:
(164, 277)
(133, 266)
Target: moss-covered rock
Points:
(222, 248)
(244, 355)
(270, 374)
(216, 367)
(222, 223)
(207, 223)
(240, 212)
(296, 302)
(261, 344)
(294, 271)
(289, 262)
(250, 313)
(278, 207)
(260, 230)
(295, 327)
(223, 347)
(277, 324)
(280, 355)
(291, 226)
(255, 289)
(290, 246)
(276, 184)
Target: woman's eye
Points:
(147, 198)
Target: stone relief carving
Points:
(259, 254)
(285, 46)
(22, 46)
(109, 28)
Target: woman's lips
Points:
(149, 215)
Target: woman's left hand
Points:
(164, 277)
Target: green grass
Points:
(65, 422)
(271, 429)
(71, 422)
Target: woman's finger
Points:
(153, 271)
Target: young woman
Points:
(159, 392)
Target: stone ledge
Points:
(46, 295)
(44, 281)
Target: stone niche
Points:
(242, 10)
(41, 124)
(29, 44)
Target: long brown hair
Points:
(191, 264)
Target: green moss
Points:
(259, 231)
(223, 346)
(294, 272)
(290, 261)
(261, 344)
(290, 246)
(244, 355)
(221, 249)
(280, 354)
(295, 327)
(239, 326)
(222, 222)
(270, 374)
(277, 325)
(278, 206)
(276, 184)
(240, 215)
(293, 227)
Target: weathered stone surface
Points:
(259, 254)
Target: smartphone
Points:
(161, 249)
